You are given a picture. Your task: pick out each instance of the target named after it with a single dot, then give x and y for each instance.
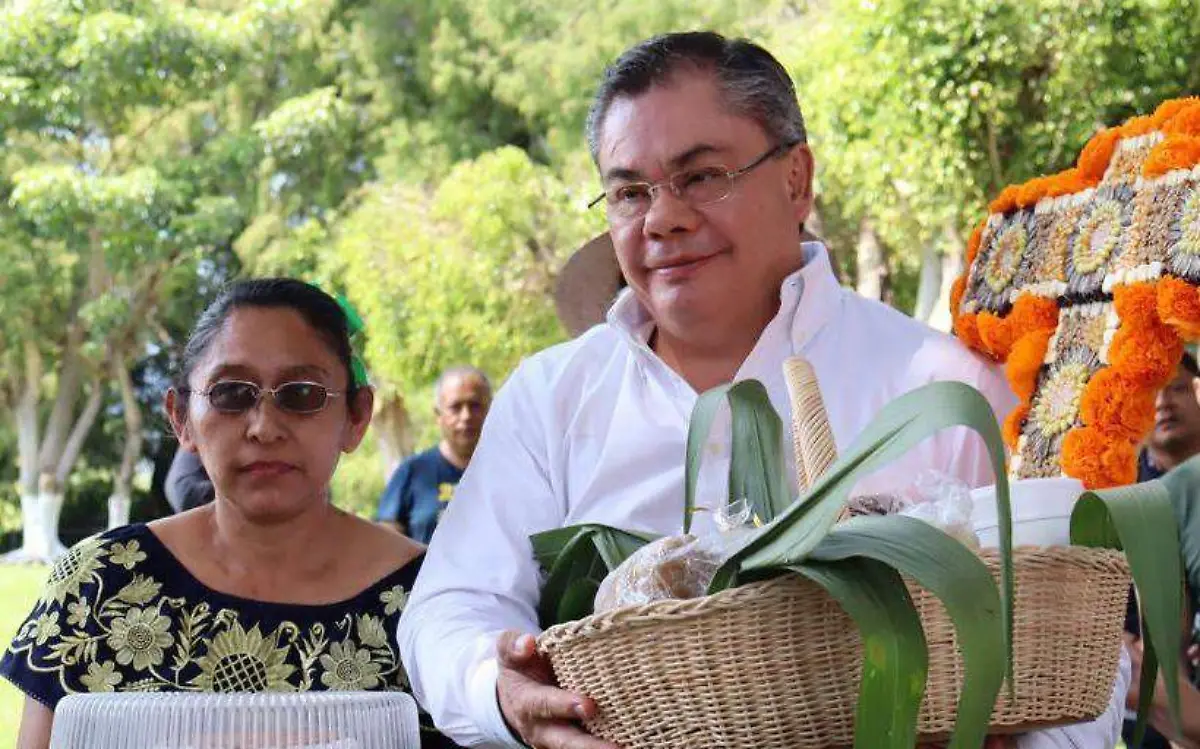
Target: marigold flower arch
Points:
(1086, 284)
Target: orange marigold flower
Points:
(1137, 304)
(1179, 306)
(967, 329)
(1186, 121)
(1176, 152)
(1094, 158)
(1065, 183)
(1171, 107)
(1098, 459)
(957, 289)
(1146, 356)
(1032, 191)
(1031, 312)
(1013, 424)
(1025, 361)
(975, 240)
(996, 334)
(1116, 405)
(1139, 125)
(1006, 200)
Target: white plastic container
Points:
(312, 720)
(1041, 512)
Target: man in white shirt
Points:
(701, 148)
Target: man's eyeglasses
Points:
(696, 187)
(235, 397)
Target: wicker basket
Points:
(777, 664)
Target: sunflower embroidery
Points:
(243, 661)
(349, 668)
(75, 568)
(140, 637)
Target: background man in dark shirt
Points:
(422, 486)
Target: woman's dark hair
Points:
(318, 309)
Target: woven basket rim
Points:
(648, 614)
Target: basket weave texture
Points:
(777, 663)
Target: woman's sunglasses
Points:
(235, 397)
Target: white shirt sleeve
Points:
(1102, 733)
(479, 576)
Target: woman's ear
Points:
(360, 407)
(176, 405)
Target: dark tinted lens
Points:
(233, 397)
(301, 397)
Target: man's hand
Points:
(542, 715)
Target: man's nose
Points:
(668, 214)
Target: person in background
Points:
(268, 587)
(1174, 440)
(187, 485)
(422, 486)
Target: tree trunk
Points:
(70, 373)
(870, 261)
(929, 285)
(122, 497)
(393, 430)
(25, 413)
(953, 250)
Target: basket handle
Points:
(812, 437)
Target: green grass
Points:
(19, 588)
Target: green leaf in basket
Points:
(900, 426)
(756, 467)
(895, 656)
(960, 580)
(1141, 520)
(574, 556)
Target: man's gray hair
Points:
(450, 373)
(752, 82)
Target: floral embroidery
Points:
(141, 638)
(112, 619)
(393, 600)
(348, 667)
(127, 555)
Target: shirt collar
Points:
(808, 296)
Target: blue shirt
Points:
(419, 492)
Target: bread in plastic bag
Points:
(674, 567)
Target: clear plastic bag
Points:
(943, 501)
(675, 567)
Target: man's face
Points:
(688, 264)
(462, 405)
(1177, 413)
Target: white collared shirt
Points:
(593, 430)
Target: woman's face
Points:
(268, 462)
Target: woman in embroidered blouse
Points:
(269, 587)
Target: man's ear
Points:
(175, 404)
(359, 409)
(800, 180)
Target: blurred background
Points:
(426, 159)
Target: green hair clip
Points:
(354, 327)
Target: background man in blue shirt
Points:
(422, 486)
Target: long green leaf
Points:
(1141, 520)
(703, 414)
(756, 468)
(953, 573)
(574, 557)
(895, 655)
(1146, 685)
(900, 426)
